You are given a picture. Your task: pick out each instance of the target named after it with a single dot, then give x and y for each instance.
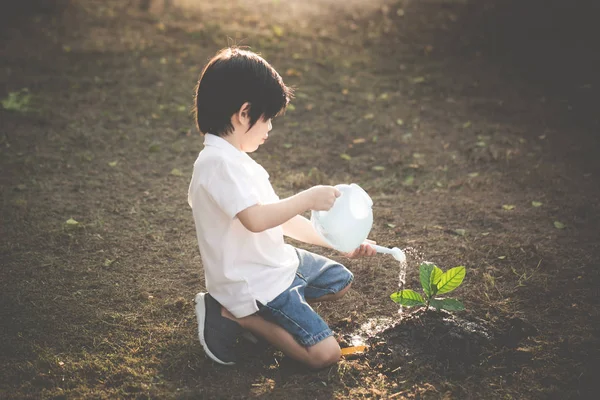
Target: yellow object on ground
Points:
(353, 350)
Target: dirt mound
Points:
(449, 344)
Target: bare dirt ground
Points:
(473, 125)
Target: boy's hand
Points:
(364, 250)
(322, 197)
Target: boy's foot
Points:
(217, 334)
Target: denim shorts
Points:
(316, 276)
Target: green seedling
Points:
(435, 282)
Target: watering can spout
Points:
(397, 253)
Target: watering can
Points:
(347, 224)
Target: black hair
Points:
(230, 79)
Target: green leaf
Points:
(434, 279)
(17, 101)
(425, 271)
(287, 145)
(277, 30)
(559, 225)
(436, 275)
(508, 207)
(176, 172)
(409, 180)
(447, 304)
(345, 156)
(407, 298)
(451, 279)
(536, 203)
(71, 222)
(154, 147)
(460, 232)
(378, 168)
(112, 163)
(437, 304)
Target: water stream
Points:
(401, 282)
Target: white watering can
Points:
(347, 224)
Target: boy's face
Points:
(256, 136)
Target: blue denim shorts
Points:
(316, 276)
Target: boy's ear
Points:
(243, 114)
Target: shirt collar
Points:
(224, 145)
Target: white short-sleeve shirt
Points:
(240, 266)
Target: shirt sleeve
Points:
(231, 187)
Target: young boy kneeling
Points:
(256, 282)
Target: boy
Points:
(255, 281)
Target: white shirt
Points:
(240, 266)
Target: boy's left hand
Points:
(364, 250)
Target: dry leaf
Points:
(293, 72)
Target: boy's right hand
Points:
(322, 198)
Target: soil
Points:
(472, 124)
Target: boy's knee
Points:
(344, 290)
(328, 354)
(339, 294)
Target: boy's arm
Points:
(300, 228)
(261, 217)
